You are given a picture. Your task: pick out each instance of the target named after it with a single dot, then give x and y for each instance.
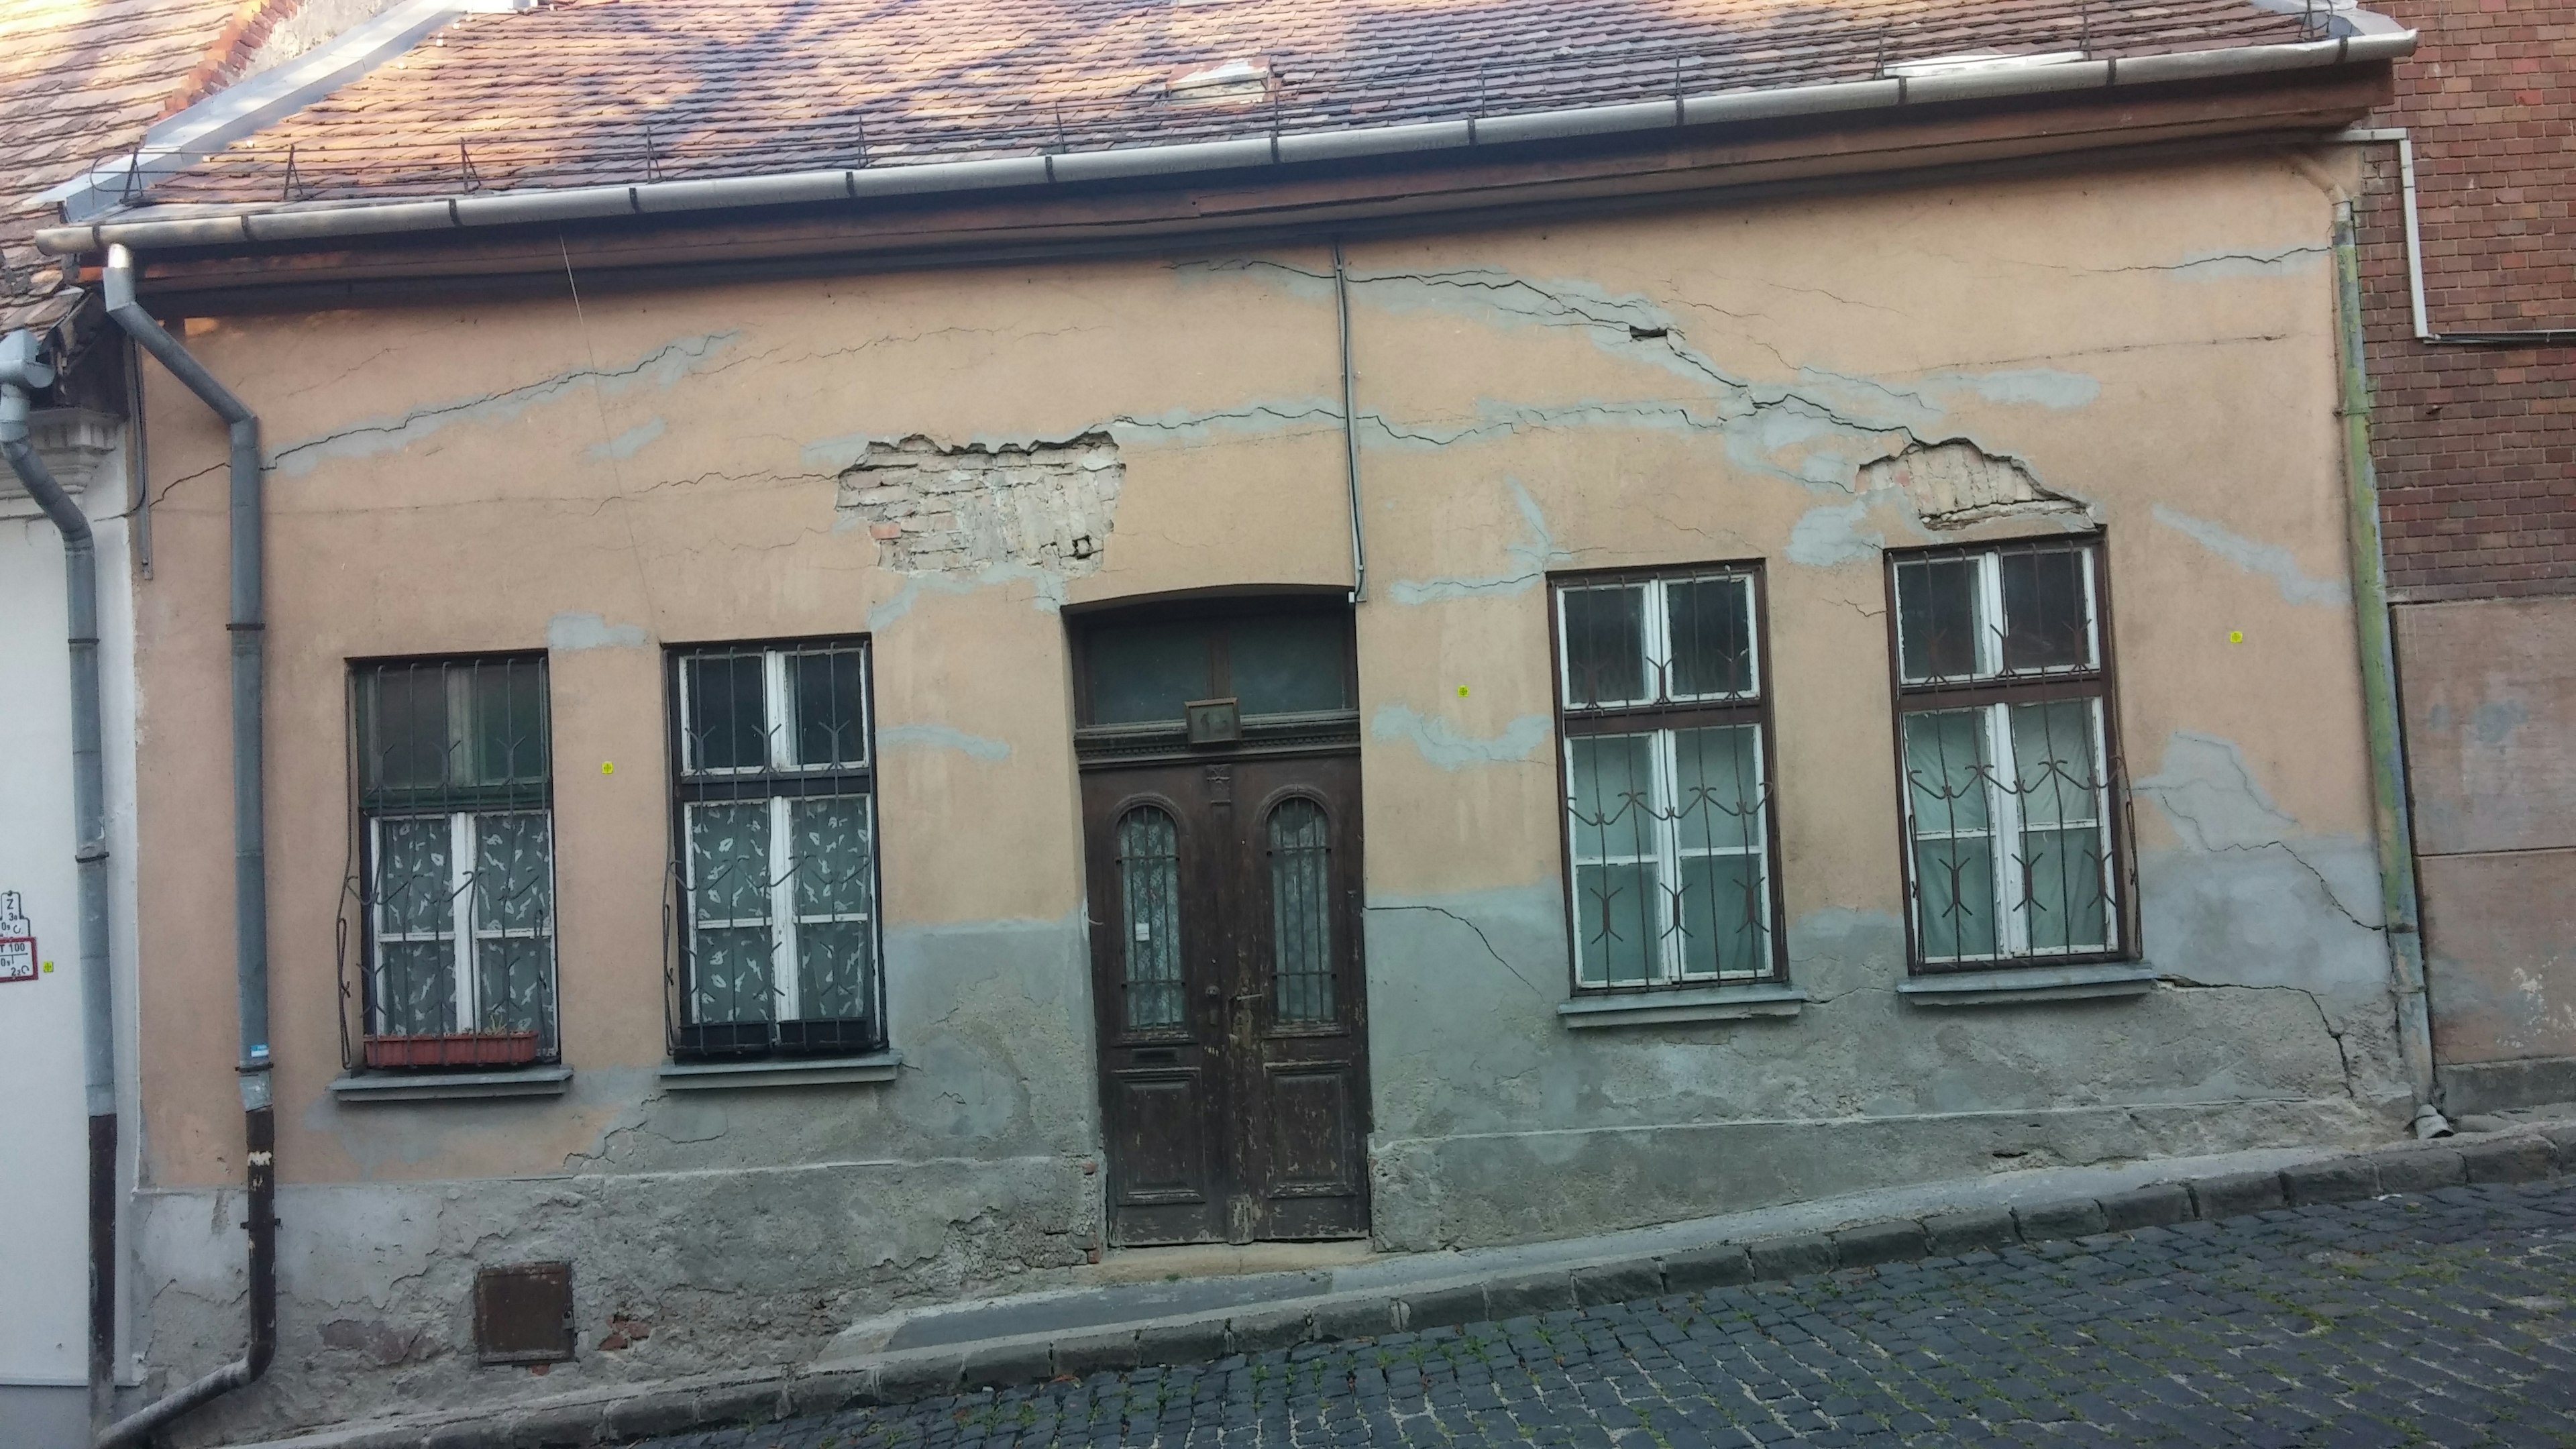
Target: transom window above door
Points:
(1164, 679)
(1665, 721)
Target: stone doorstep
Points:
(613, 1414)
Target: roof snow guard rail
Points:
(312, 222)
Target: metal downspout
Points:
(250, 868)
(22, 372)
(2396, 830)
(1350, 427)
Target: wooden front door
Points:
(1225, 920)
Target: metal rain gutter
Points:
(250, 861)
(22, 373)
(2378, 39)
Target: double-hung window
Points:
(456, 815)
(2003, 712)
(1665, 719)
(777, 850)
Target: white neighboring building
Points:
(44, 1143)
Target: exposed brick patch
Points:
(935, 509)
(2476, 447)
(234, 43)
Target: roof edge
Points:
(181, 140)
(309, 222)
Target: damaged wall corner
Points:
(935, 508)
(1955, 483)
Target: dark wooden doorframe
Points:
(1230, 994)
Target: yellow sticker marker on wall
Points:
(1462, 691)
(2235, 636)
(608, 767)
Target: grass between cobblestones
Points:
(2440, 1319)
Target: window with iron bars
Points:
(2005, 748)
(777, 857)
(1665, 722)
(456, 839)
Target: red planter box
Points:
(454, 1049)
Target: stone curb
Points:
(611, 1415)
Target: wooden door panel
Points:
(1309, 1127)
(1162, 1138)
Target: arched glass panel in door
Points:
(1301, 911)
(1149, 889)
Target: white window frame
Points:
(1664, 772)
(2004, 815)
(463, 933)
(786, 988)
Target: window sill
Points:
(365, 1088)
(780, 1072)
(1706, 1003)
(2014, 986)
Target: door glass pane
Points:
(828, 712)
(514, 900)
(727, 726)
(1289, 663)
(1149, 885)
(2045, 619)
(1936, 618)
(730, 956)
(1142, 672)
(1711, 625)
(1301, 911)
(834, 886)
(2054, 750)
(414, 988)
(1605, 645)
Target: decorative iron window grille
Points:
(2007, 756)
(775, 861)
(454, 879)
(1665, 722)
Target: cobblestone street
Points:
(2438, 1319)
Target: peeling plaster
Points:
(941, 737)
(570, 632)
(1534, 552)
(627, 444)
(664, 366)
(1443, 745)
(2268, 560)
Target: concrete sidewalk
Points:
(997, 1342)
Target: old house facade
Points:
(1276, 663)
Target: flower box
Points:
(454, 1049)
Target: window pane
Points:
(1301, 912)
(1149, 885)
(1605, 645)
(1723, 915)
(1290, 663)
(1617, 912)
(508, 742)
(1711, 624)
(1954, 884)
(833, 961)
(415, 988)
(835, 947)
(1717, 788)
(1946, 770)
(2045, 622)
(1612, 809)
(415, 891)
(404, 734)
(830, 728)
(1146, 671)
(2053, 761)
(2062, 801)
(730, 956)
(2062, 883)
(514, 922)
(1936, 618)
(728, 726)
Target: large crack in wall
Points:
(937, 509)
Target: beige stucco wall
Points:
(1703, 384)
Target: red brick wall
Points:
(2476, 446)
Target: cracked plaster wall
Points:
(1711, 385)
